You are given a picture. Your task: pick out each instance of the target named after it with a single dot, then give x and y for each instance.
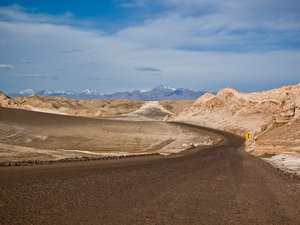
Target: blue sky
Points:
(123, 45)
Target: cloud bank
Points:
(148, 69)
(6, 66)
(250, 45)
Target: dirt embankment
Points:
(272, 117)
(155, 111)
(27, 135)
(87, 108)
(95, 108)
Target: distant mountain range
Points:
(159, 93)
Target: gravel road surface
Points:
(213, 185)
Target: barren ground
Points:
(213, 185)
(272, 117)
(27, 135)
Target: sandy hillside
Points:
(272, 117)
(6, 101)
(156, 111)
(96, 107)
(27, 135)
(67, 106)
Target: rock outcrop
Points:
(74, 107)
(6, 101)
(272, 117)
(90, 108)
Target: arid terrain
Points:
(213, 182)
(88, 108)
(212, 185)
(27, 135)
(41, 128)
(271, 117)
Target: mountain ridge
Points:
(158, 93)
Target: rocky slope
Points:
(67, 106)
(6, 101)
(91, 108)
(272, 117)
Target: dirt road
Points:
(214, 185)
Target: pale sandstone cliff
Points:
(5, 101)
(272, 117)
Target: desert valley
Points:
(271, 117)
(157, 161)
(139, 112)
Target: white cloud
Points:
(27, 92)
(71, 50)
(148, 69)
(16, 13)
(6, 66)
(131, 3)
(232, 24)
(25, 61)
(30, 75)
(165, 42)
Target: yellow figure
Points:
(248, 135)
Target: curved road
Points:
(213, 185)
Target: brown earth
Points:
(176, 106)
(272, 117)
(214, 185)
(88, 108)
(6, 101)
(27, 135)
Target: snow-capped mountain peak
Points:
(27, 92)
(162, 92)
(164, 87)
(91, 92)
